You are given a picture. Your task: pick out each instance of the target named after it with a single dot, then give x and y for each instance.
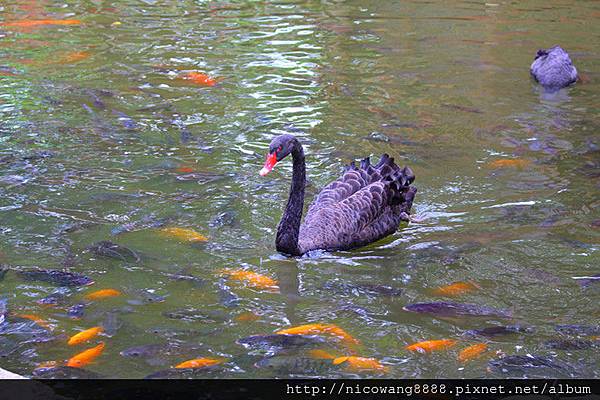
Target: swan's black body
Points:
(553, 68)
(366, 204)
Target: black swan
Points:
(366, 204)
(553, 68)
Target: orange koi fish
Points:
(199, 363)
(247, 317)
(73, 57)
(199, 78)
(37, 319)
(431, 345)
(472, 352)
(84, 336)
(319, 329)
(507, 163)
(252, 279)
(455, 289)
(41, 22)
(186, 235)
(321, 354)
(85, 357)
(102, 294)
(185, 170)
(353, 363)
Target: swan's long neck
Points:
(289, 226)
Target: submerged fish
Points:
(571, 344)
(431, 345)
(200, 363)
(191, 314)
(529, 366)
(102, 294)
(145, 296)
(111, 324)
(455, 289)
(196, 281)
(183, 234)
(296, 365)
(472, 352)
(155, 354)
(115, 251)
(37, 319)
(181, 373)
(362, 288)
(357, 364)
(586, 281)
(499, 330)
(3, 270)
(319, 329)
(587, 330)
(86, 357)
(252, 279)
(199, 78)
(64, 372)
(226, 297)
(76, 311)
(280, 341)
(507, 163)
(28, 23)
(451, 309)
(84, 336)
(61, 278)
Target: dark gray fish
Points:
(451, 309)
(183, 373)
(571, 344)
(283, 341)
(226, 297)
(112, 250)
(55, 298)
(200, 177)
(463, 108)
(145, 296)
(227, 218)
(586, 330)
(60, 278)
(3, 270)
(127, 122)
(586, 281)
(111, 324)
(25, 331)
(77, 226)
(147, 222)
(8, 346)
(76, 311)
(499, 330)
(176, 333)
(38, 155)
(295, 365)
(197, 282)
(144, 351)
(362, 289)
(529, 366)
(192, 315)
(158, 353)
(64, 372)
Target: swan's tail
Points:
(397, 179)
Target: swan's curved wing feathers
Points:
(363, 205)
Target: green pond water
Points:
(99, 134)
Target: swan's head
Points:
(279, 149)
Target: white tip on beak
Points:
(263, 172)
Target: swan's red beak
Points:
(269, 164)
